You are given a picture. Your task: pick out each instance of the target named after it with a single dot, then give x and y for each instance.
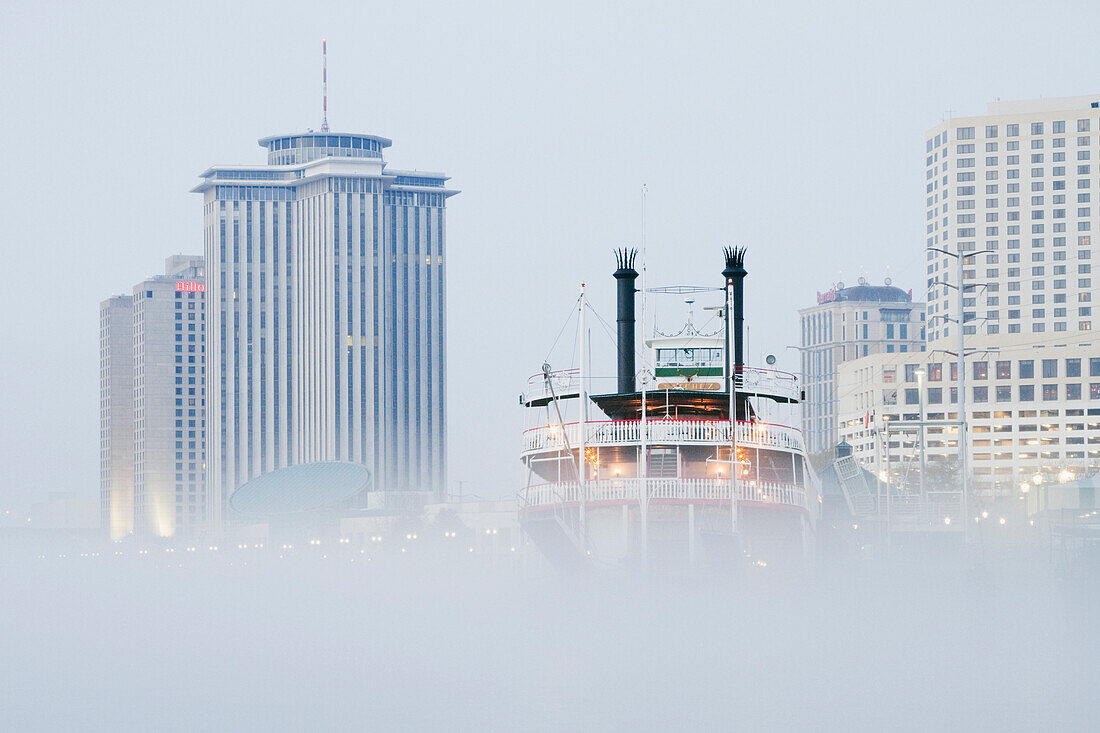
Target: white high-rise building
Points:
(116, 416)
(849, 323)
(326, 292)
(152, 394)
(1018, 184)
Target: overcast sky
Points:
(795, 129)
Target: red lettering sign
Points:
(190, 287)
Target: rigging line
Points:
(611, 334)
(568, 320)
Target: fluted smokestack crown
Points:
(735, 263)
(624, 285)
(734, 274)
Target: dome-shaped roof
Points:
(874, 294)
(303, 488)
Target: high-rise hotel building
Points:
(152, 413)
(326, 292)
(1018, 185)
(849, 323)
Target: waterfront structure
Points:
(326, 295)
(699, 461)
(152, 415)
(849, 323)
(1032, 409)
(1015, 187)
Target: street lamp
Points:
(960, 288)
(923, 464)
(1037, 478)
(1065, 475)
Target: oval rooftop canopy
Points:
(298, 489)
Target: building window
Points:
(1073, 367)
(1050, 392)
(981, 394)
(1073, 391)
(981, 370)
(1050, 368)
(1004, 370)
(1004, 393)
(1027, 392)
(1027, 369)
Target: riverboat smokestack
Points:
(734, 274)
(625, 277)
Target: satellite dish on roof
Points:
(840, 286)
(863, 281)
(889, 281)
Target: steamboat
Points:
(694, 460)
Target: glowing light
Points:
(1065, 475)
(1025, 487)
(190, 287)
(1037, 478)
(985, 515)
(1002, 520)
(947, 520)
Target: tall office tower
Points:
(849, 323)
(116, 416)
(1016, 186)
(326, 294)
(152, 394)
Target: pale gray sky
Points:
(795, 129)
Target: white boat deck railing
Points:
(752, 380)
(565, 381)
(681, 490)
(629, 432)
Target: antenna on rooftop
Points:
(324, 85)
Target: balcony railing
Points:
(668, 490)
(628, 432)
(565, 381)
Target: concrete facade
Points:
(1031, 409)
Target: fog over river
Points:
(218, 641)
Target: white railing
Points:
(684, 490)
(627, 432)
(749, 381)
(752, 380)
(566, 381)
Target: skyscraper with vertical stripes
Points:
(326, 295)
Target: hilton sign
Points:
(190, 287)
